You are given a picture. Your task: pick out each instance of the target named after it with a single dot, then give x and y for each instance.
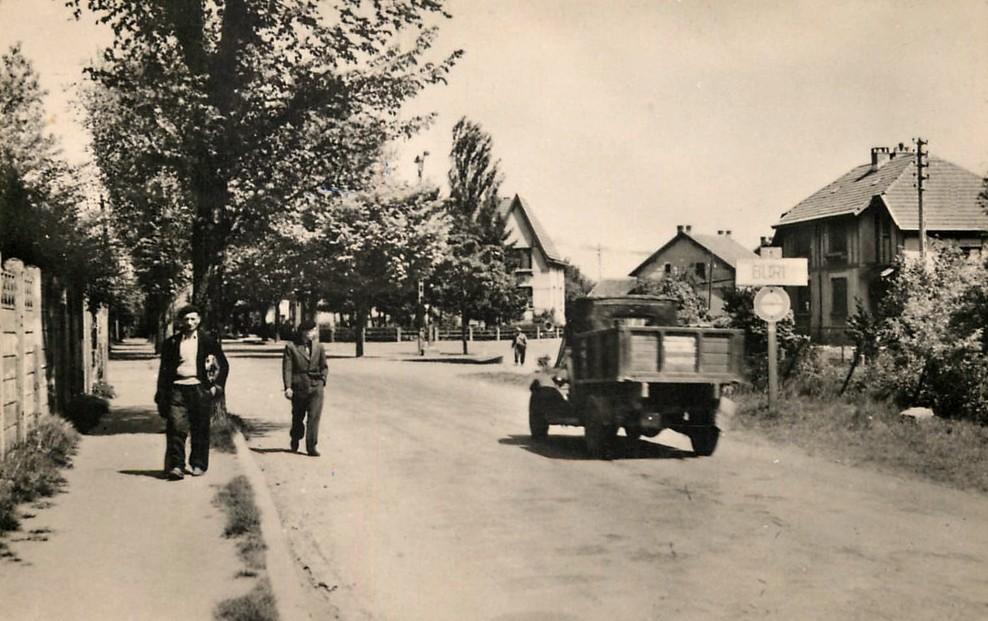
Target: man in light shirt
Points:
(186, 389)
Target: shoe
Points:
(294, 446)
(176, 474)
(313, 453)
(196, 471)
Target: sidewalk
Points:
(121, 542)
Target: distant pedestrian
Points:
(304, 370)
(519, 344)
(192, 373)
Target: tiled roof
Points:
(724, 247)
(541, 237)
(950, 199)
(613, 287)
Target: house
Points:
(710, 259)
(852, 229)
(538, 267)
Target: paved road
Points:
(430, 502)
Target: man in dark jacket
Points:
(303, 369)
(192, 373)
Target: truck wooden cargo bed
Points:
(669, 354)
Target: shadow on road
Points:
(151, 474)
(124, 352)
(129, 420)
(275, 450)
(574, 447)
(258, 428)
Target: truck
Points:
(626, 362)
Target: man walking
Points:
(519, 344)
(303, 370)
(192, 373)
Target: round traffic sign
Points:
(772, 303)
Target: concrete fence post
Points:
(538, 332)
(470, 333)
(397, 334)
(16, 267)
(497, 333)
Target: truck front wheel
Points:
(704, 440)
(599, 435)
(538, 422)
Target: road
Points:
(431, 502)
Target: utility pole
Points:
(922, 163)
(600, 249)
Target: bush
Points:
(86, 411)
(104, 390)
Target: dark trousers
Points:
(189, 411)
(306, 405)
(519, 355)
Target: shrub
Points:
(104, 390)
(85, 411)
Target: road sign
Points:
(772, 303)
(766, 272)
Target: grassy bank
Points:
(862, 431)
(243, 523)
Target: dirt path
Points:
(430, 502)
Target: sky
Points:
(618, 120)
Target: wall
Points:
(683, 254)
(23, 368)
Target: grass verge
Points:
(243, 523)
(861, 430)
(32, 469)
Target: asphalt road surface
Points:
(431, 502)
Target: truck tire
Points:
(598, 435)
(704, 440)
(538, 423)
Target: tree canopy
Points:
(237, 111)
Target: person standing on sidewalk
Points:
(192, 372)
(303, 370)
(519, 344)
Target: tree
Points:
(40, 196)
(244, 110)
(473, 280)
(682, 289)
(577, 284)
(377, 245)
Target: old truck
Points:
(626, 363)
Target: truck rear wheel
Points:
(598, 435)
(538, 422)
(704, 440)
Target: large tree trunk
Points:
(361, 330)
(464, 327)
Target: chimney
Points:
(879, 157)
(679, 228)
(727, 233)
(689, 228)
(765, 241)
(721, 232)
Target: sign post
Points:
(772, 303)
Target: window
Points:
(529, 298)
(836, 238)
(801, 244)
(838, 297)
(701, 270)
(883, 239)
(667, 269)
(802, 305)
(519, 258)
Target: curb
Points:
(286, 582)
